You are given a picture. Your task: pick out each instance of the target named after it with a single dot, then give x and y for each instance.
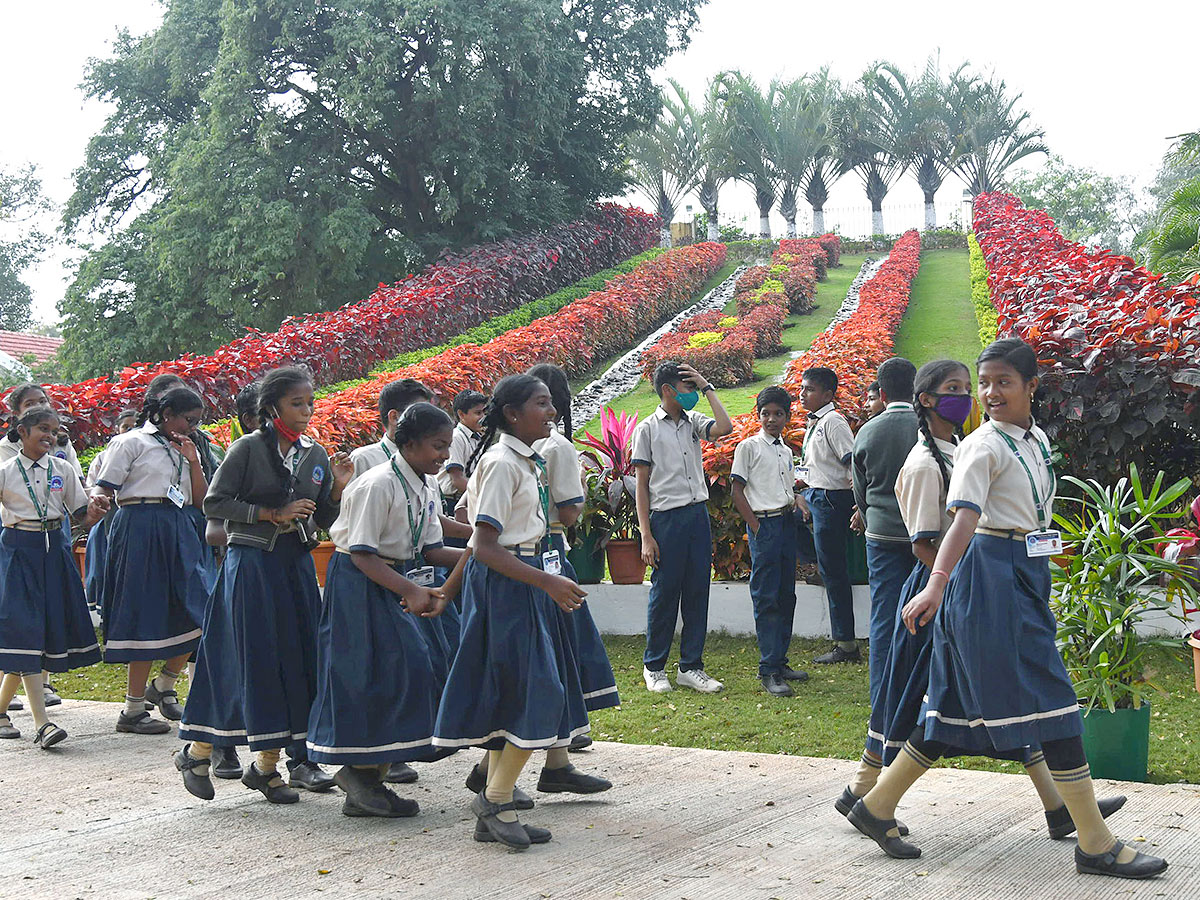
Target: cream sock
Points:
(1043, 782)
(503, 770)
(135, 705)
(1075, 786)
(35, 698)
(165, 680)
(200, 750)
(866, 775)
(557, 758)
(909, 765)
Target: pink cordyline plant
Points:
(612, 449)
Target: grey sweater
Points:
(880, 448)
(253, 476)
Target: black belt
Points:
(772, 513)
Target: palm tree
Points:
(751, 128)
(990, 134)
(871, 141)
(717, 162)
(803, 136)
(664, 161)
(824, 170)
(1173, 245)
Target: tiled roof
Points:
(17, 344)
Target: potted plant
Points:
(615, 490)
(1110, 582)
(592, 530)
(321, 554)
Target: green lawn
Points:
(798, 333)
(827, 717)
(940, 320)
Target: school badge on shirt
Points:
(55, 483)
(318, 474)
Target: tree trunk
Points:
(791, 227)
(714, 231)
(818, 221)
(877, 221)
(664, 237)
(930, 216)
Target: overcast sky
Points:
(1108, 91)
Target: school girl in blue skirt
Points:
(44, 622)
(514, 686)
(377, 683)
(996, 682)
(256, 669)
(97, 539)
(154, 578)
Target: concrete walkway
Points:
(106, 815)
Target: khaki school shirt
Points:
(503, 492)
(921, 491)
(563, 471)
(989, 478)
(54, 483)
(763, 465)
(375, 512)
(136, 464)
(828, 445)
(372, 454)
(672, 451)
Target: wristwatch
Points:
(708, 387)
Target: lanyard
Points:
(42, 512)
(171, 454)
(387, 454)
(543, 494)
(1038, 502)
(415, 526)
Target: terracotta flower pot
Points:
(1194, 643)
(81, 560)
(625, 564)
(321, 555)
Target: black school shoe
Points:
(225, 763)
(308, 776)
(1061, 824)
(511, 834)
(141, 724)
(845, 803)
(774, 685)
(8, 731)
(400, 773)
(790, 674)
(50, 696)
(838, 655)
(569, 780)
(362, 799)
(49, 735)
(166, 701)
(275, 793)
(15, 704)
(1141, 866)
(579, 742)
(877, 830)
(536, 835)
(477, 781)
(197, 785)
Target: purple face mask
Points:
(954, 408)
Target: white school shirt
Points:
(375, 512)
(503, 492)
(763, 465)
(462, 445)
(62, 496)
(989, 478)
(828, 446)
(137, 465)
(93, 470)
(672, 451)
(372, 455)
(66, 453)
(563, 471)
(921, 491)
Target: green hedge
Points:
(981, 297)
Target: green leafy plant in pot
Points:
(1105, 587)
(612, 491)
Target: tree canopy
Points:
(265, 159)
(1088, 207)
(21, 243)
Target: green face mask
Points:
(688, 400)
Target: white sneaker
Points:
(698, 680)
(656, 682)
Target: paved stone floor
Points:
(105, 815)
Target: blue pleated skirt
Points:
(996, 679)
(93, 562)
(44, 620)
(515, 678)
(154, 584)
(595, 671)
(377, 684)
(210, 564)
(440, 634)
(256, 668)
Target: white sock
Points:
(165, 680)
(134, 705)
(35, 698)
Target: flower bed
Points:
(455, 293)
(1118, 347)
(853, 348)
(583, 331)
(981, 298)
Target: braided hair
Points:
(177, 400)
(560, 391)
(421, 419)
(927, 380)
(18, 396)
(511, 390)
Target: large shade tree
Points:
(264, 159)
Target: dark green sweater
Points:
(880, 448)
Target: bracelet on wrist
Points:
(708, 387)
(940, 572)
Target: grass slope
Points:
(798, 334)
(940, 320)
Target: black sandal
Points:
(1143, 865)
(511, 834)
(877, 830)
(1061, 824)
(49, 735)
(197, 784)
(845, 803)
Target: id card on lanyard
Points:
(551, 561)
(1046, 541)
(43, 512)
(422, 575)
(174, 491)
